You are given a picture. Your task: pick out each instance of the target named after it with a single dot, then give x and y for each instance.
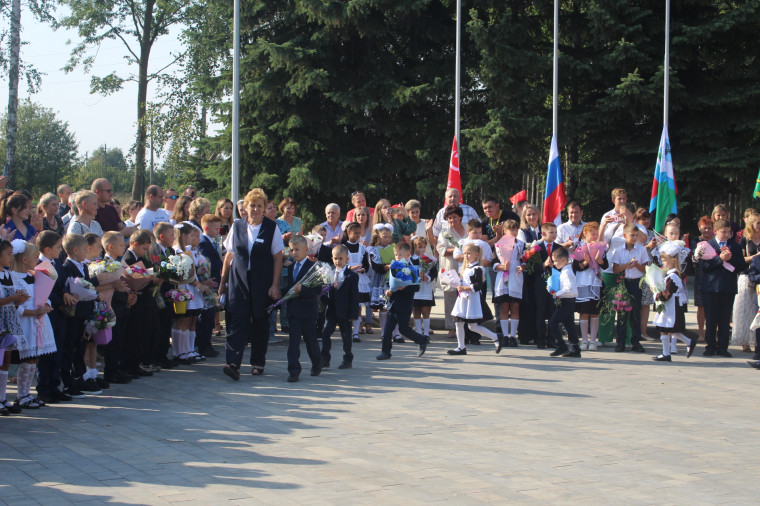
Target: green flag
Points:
(756, 194)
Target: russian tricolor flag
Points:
(554, 197)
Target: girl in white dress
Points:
(183, 330)
(37, 338)
(508, 287)
(589, 281)
(358, 261)
(423, 298)
(471, 307)
(671, 322)
(10, 325)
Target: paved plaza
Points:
(519, 427)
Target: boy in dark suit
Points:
(302, 312)
(400, 310)
(342, 308)
(544, 301)
(719, 289)
(211, 225)
(72, 358)
(162, 248)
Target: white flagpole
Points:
(666, 94)
(556, 68)
(236, 107)
(457, 77)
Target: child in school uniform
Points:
(302, 312)
(423, 298)
(211, 225)
(10, 298)
(588, 276)
(565, 312)
(672, 233)
(342, 308)
(163, 248)
(400, 303)
(381, 254)
(471, 307)
(358, 262)
(508, 286)
(630, 259)
(671, 322)
(543, 301)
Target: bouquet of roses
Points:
(107, 271)
(179, 295)
(320, 274)
(531, 259)
(618, 301)
(136, 276)
(426, 264)
(45, 276)
(403, 274)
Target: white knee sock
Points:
(665, 338)
(460, 336)
(505, 328)
(383, 316)
(514, 326)
(483, 331)
(418, 325)
(191, 339)
(593, 329)
(4, 382)
(682, 338)
(584, 329)
(357, 323)
(426, 326)
(25, 373)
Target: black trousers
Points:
(718, 308)
(143, 334)
(345, 334)
(72, 358)
(112, 356)
(564, 314)
(298, 328)
(402, 320)
(165, 331)
(204, 328)
(49, 366)
(243, 328)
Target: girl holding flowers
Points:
(671, 321)
(381, 255)
(183, 330)
(589, 261)
(10, 325)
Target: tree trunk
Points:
(138, 185)
(10, 131)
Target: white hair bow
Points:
(381, 226)
(19, 246)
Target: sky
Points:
(95, 120)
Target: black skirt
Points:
(424, 303)
(591, 307)
(680, 326)
(363, 297)
(506, 299)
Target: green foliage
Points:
(46, 149)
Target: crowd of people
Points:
(538, 276)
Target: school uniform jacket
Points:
(305, 306)
(343, 303)
(715, 277)
(85, 308)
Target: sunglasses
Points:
(173, 197)
(357, 193)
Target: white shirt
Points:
(527, 240)
(442, 224)
(332, 232)
(568, 288)
(486, 252)
(567, 231)
(43, 258)
(253, 234)
(147, 219)
(77, 227)
(621, 255)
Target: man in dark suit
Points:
(211, 225)
(302, 312)
(342, 307)
(719, 289)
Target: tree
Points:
(109, 163)
(46, 148)
(136, 24)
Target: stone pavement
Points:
(519, 427)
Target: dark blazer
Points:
(208, 250)
(56, 295)
(343, 303)
(244, 298)
(545, 254)
(69, 270)
(401, 301)
(716, 278)
(305, 306)
(754, 270)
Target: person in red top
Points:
(107, 215)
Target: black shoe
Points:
(182, 361)
(60, 396)
(120, 378)
(756, 356)
(726, 354)
(421, 349)
(102, 383)
(165, 363)
(13, 409)
(457, 351)
(708, 352)
(512, 342)
(345, 365)
(399, 340)
(541, 346)
(316, 371)
(139, 371)
(499, 344)
(325, 365)
(575, 353)
(74, 392)
(383, 356)
(91, 387)
(559, 352)
(292, 378)
(232, 371)
(638, 348)
(356, 339)
(48, 399)
(209, 352)
(662, 358)
(692, 347)
(620, 347)
(754, 363)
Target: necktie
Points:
(721, 244)
(549, 249)
(296, 268)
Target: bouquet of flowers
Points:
(83, 289)
(6, 341)
(531, 258)
(654, 276)
(504, 247)
(136, 276)
(45, 277)
(107, 271)
(313, 242)
(449, 279)
(320, 274)
(704, 251)
(591, 250)
(179, 295)
(456, 244)
(100, 322)
(426, 264)
(177, 269)
(617, 302)
(403, 274)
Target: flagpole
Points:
(666, 94)
(457, 76)
(555, 87)
(236, 107)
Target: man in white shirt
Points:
(152, 214)
(452, 199)
(569, 233)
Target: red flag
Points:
(455, 179)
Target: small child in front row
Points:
(565, 312)
(400, 309)
(471, 306)
(114, 246)
(381, 254)
(508, 287)
(589, 284)
(342, 308)
(671, 322)
(9, 319)
(358, 262)
(423, 299)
